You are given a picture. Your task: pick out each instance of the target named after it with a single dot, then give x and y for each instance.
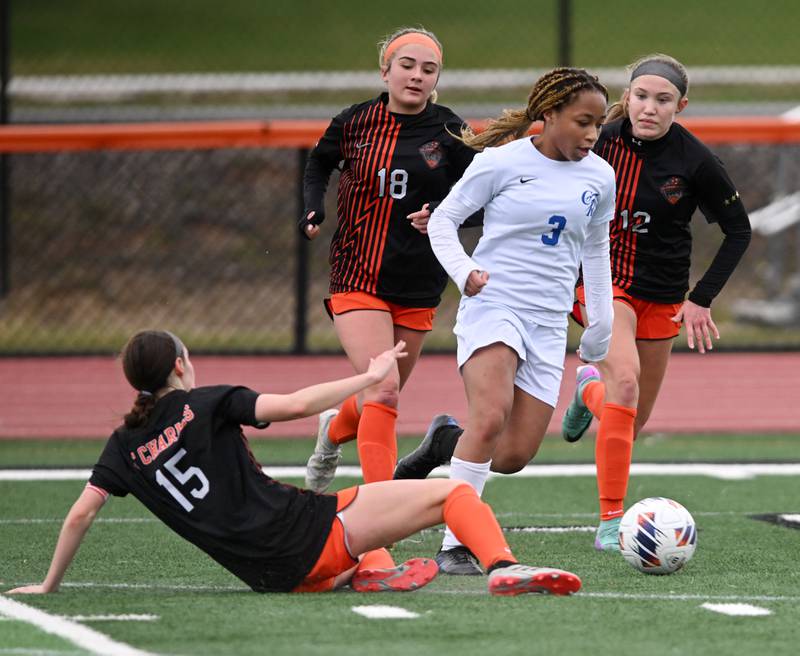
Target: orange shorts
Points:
(653, 320)
(408, 317)
(335, 557)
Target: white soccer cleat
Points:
(321, 466)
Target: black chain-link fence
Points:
(204, 242)
(95, 245)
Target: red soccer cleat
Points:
(411, 575)
(521, 579)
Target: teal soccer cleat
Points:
(578, 417)
(607, 537)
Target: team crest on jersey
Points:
(432, 153)
(589, 198)
(674, 189)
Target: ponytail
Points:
(148, 359)
(142, 406)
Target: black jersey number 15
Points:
(183, 478)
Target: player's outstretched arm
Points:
(77, 522)
(316, 398)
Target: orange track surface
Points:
(86, 397)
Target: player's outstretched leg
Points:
(411, 575)
(578, 417)
(321, 466)
(607, 537)
(521, 579)
(435, 449)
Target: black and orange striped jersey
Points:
(391, 165)
(192, 467)
(660, 184)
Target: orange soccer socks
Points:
(613, 449)
(376, 559)
(474, 524)
(377, 442)
(344, 426)
(594, 396)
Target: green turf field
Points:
(131, 565)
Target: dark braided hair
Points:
(147, 360)
(553, 90)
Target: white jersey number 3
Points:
(183, 477)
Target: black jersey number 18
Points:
(183, 477)
(398, 183)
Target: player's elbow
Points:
(80, 519)
(297, 408)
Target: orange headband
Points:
(411, 37)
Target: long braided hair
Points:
(553, 90)
(147, 360)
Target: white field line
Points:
(22, 651)
(101, 520)
(101, 618)
(379, 612)
(731, 472)
(130, 617)
(795, 518)
(629, 596)
(747, 610)
(625, 596)
(79, 635)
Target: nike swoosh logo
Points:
(364, 145)
(524, 180)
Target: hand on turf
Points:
(476, 282)
(29, 589)
(381, 365)
(419, 220)
(699, 326)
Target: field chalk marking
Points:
(79, 635)
(738, 609)
(730, 472)
(385, 612)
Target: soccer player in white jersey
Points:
(548, 201)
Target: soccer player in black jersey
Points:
(663, 175)
(182, 453)
(398, 157)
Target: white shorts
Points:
(541, 349)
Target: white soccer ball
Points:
(657, 536)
